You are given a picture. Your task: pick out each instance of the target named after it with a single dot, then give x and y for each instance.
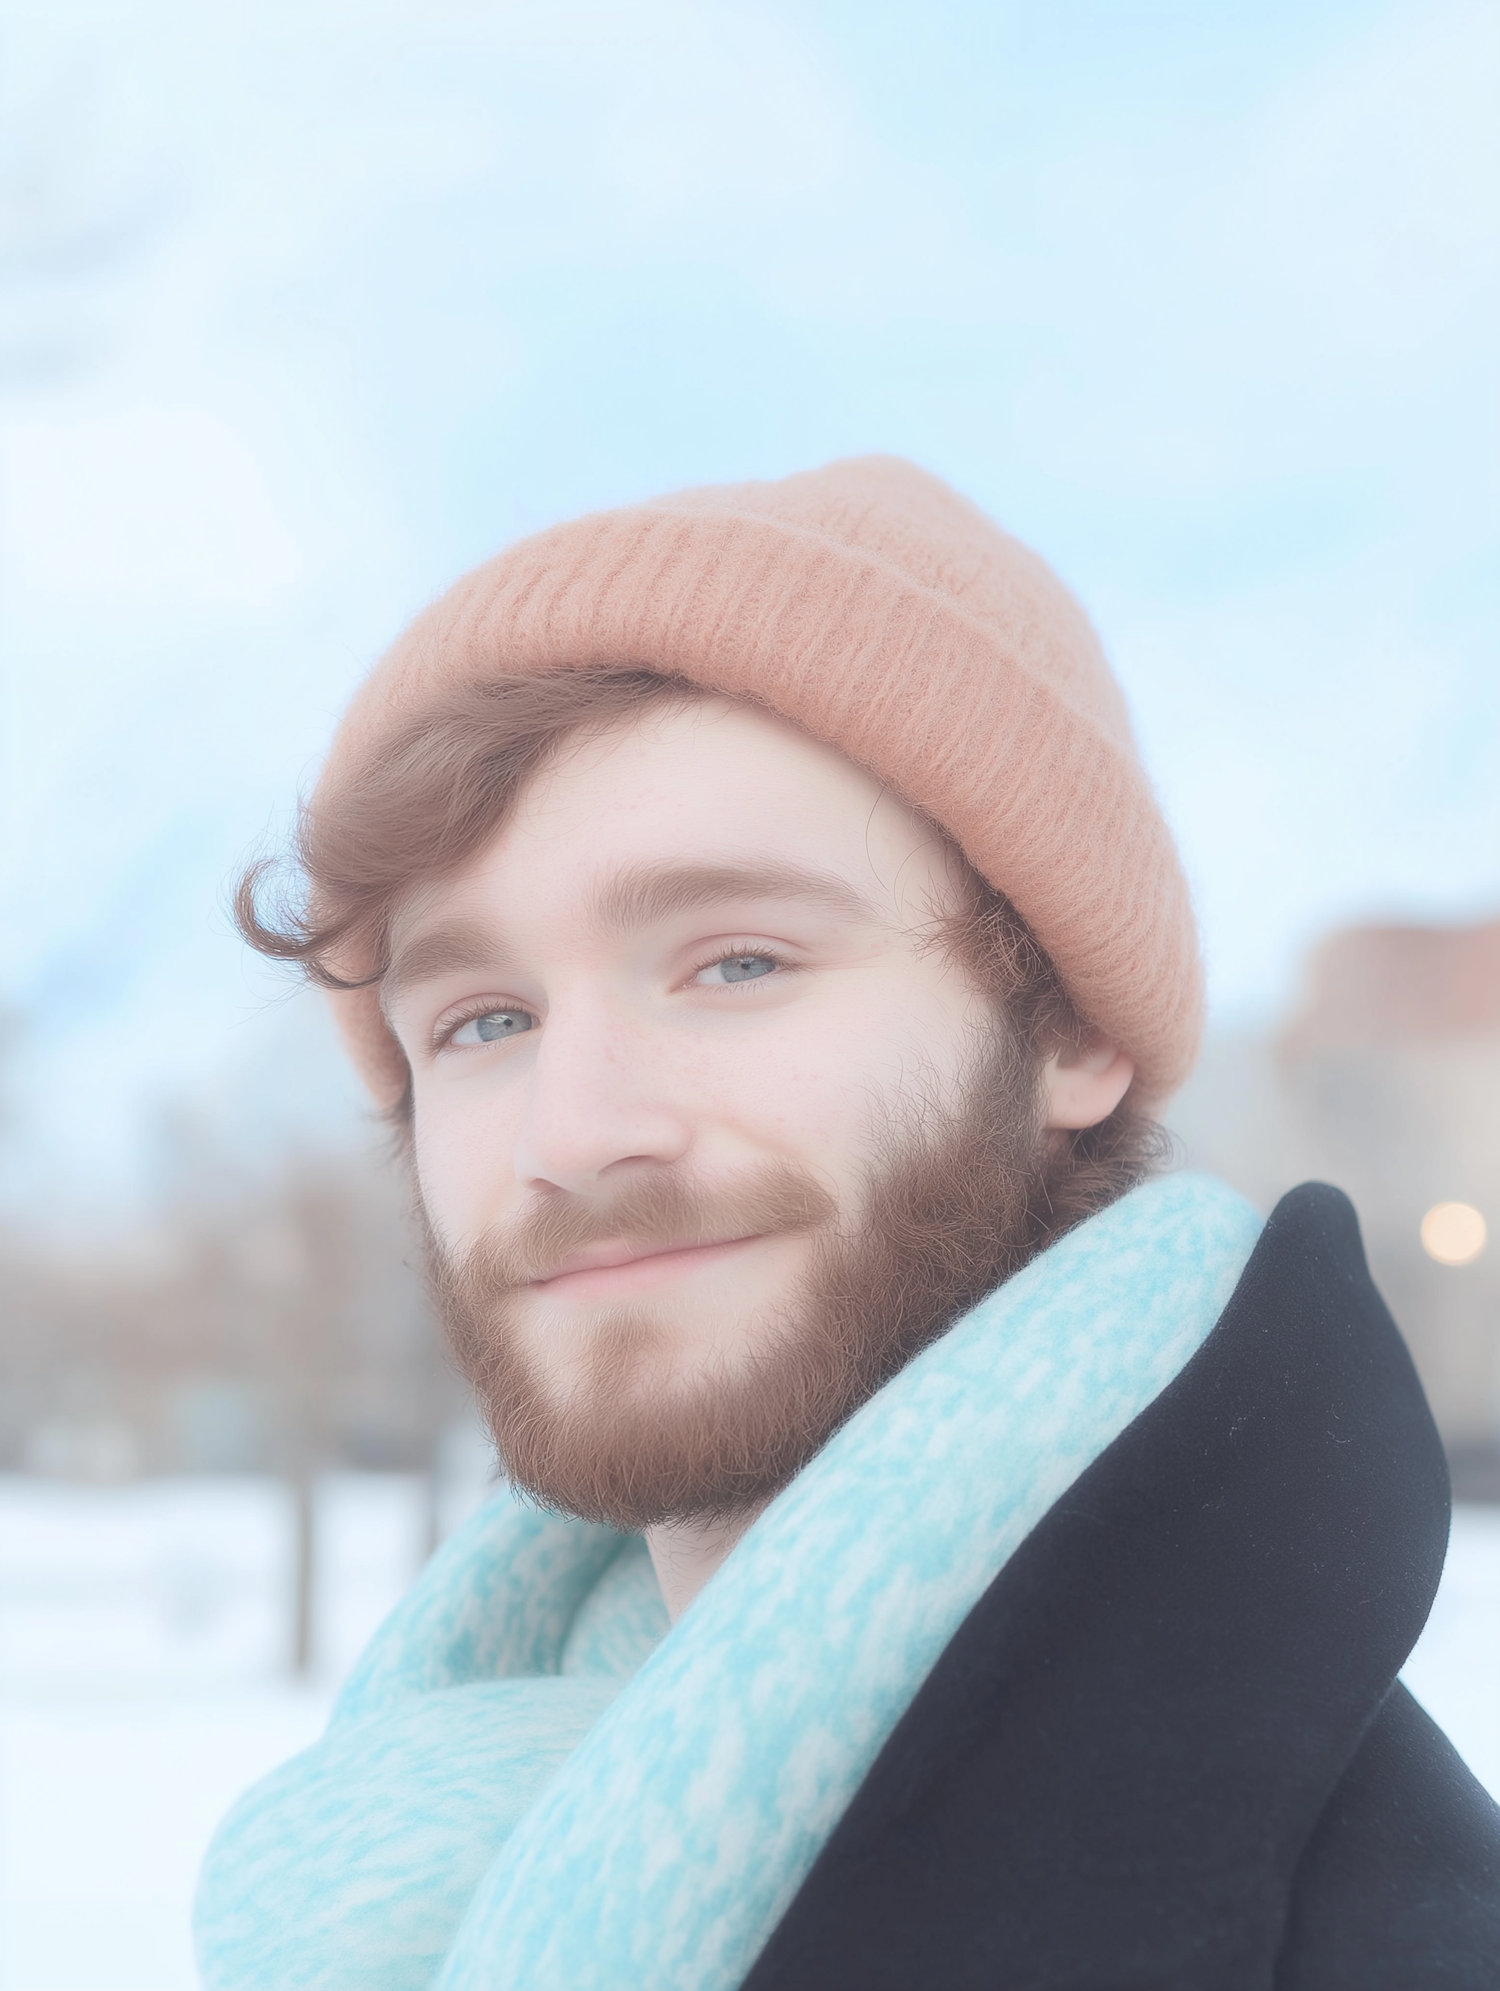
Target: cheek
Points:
(815, 1087)
(463, 1148)
(780, 1090)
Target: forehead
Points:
(709, 782)
(711, 763)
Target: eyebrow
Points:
(621, 904)
(454, 948)
(652, 892)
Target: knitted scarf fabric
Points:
(530, 1785)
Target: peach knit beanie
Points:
(889, 617)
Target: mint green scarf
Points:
(529, 1785)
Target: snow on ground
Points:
(144, 1638)
(143, 1685)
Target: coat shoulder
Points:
(1400, 1882)
(1177, 1688)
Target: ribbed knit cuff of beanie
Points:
(872, 606)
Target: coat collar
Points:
(1112, 1772)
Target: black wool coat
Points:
(1167, 1750)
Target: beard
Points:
(949, 1210)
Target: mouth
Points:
(616, 1266)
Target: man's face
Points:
(673, 1036)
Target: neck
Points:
(685, 1554)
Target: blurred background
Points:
(306, 307)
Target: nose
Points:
(597, 1100)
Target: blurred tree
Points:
(275, 1324)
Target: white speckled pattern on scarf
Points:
(667, 1845)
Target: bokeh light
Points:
(1454, 1233)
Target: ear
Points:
(1081, 1087)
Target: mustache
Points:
(665, 1211)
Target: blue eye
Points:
(492, 1026)
(742, 968)
(501, 1023)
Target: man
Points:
(941, 1548)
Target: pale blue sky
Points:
(311, 305)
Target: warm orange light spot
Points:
(1453, 1233)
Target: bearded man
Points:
(940, 1548)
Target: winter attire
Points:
(885, 615)
(1069, 1662)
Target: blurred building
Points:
(1386, 1081)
